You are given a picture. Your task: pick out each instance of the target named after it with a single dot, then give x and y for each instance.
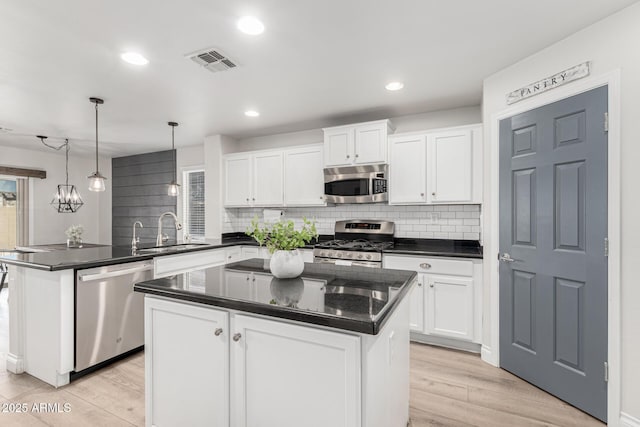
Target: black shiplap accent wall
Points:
(139, 193)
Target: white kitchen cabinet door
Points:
(238, 180)
(303, 177)
(450, 160)
(186, 365)
(370, 143)
(338, 146)
(449, 307)
(262, 284)
(267, 179)
(249, 252)
(408, 170)
(416, 306)
(272, 384)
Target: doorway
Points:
(8, 213)
(553, 269)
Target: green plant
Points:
(282, 235)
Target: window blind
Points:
(194, 204)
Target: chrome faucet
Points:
(135, 240)
(161, 238)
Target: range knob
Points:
(360, 256)
(369, 256)
(339, 254)
(323, 253)
(349, 255)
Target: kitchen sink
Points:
(171, 248)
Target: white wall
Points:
(49, 225)
(611, 44)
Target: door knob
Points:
(236, 337)
(505, 257)
(218, 332)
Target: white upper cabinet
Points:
(407, 169)
(338, 146)
(237, 180)
(267, 179)
(303, 177)
(291, 177)
(450, 166)
(253, 179)
(363, 143)
(443, 166)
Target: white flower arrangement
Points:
(74, 233)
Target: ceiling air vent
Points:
(213, 60)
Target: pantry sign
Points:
(552, 82)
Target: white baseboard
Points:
(488, 356)
(15, 364)
(445, 342)
(627, 420)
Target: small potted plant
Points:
(283, 241)
(74, 236)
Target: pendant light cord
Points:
(173, 148)
(66, 163)
(97, 137)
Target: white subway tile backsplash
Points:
(425, 222)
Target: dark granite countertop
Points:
(356, 299)
(56, 257)
(436, 247)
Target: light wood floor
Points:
(448, 388)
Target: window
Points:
(193, 204)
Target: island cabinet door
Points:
(186, 365)
(287, 375)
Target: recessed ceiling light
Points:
(251, 113)
(394, 86)
(250, 25)
(134, 58)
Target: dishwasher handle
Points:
(115, 273)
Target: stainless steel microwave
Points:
(356, 184)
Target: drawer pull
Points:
(425, 265)
(218, 332)
(237, 337)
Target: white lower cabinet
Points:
(186, 365)
(447, 301)
(416, 306)
(216, 367)
(273, 385)
(449, 312)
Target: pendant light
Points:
(96, 180)
(174, 187)
(67, 199)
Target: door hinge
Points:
(606, 122)
(606, 246)
(606, 372)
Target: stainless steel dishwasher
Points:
(109, 315)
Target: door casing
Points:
(491, 353)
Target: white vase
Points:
(286, 264)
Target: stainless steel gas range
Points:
(357, 242)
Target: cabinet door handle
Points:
(247, 199)
(236, 337)
(433, 194)
(356, 155)
(254, 279)
(431, 285)
(253, 198)
(229, 257)
(425, 265)
(348, 156)
(247, 278)
(419, 283)
(421, 194)
(218, 332)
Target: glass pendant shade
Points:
(96, 182)
(174, 189)
(67, 199)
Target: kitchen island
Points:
(232, 345)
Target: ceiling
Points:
(318, 63)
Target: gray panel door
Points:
(553, 224)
